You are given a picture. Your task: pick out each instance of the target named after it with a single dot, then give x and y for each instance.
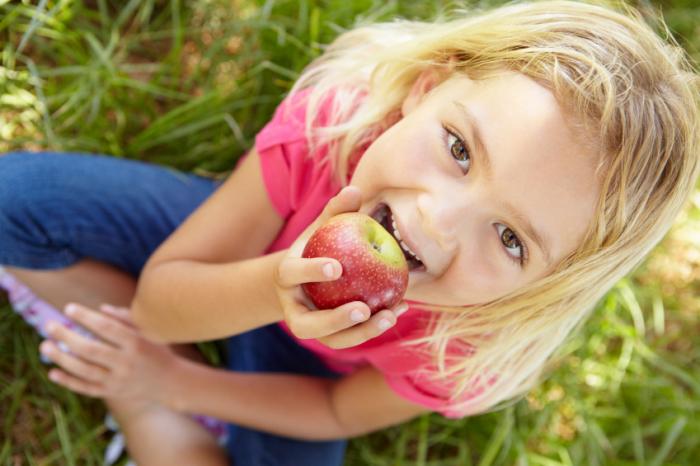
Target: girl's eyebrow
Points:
(473, 124)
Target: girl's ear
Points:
(426, 81)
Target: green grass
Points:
(188, 84)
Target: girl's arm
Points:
(122, 364)
(297, 406)
(206, 280)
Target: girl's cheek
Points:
(472, 279)
(419, 150)
(403, 151)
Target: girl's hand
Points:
(120, 364)
(342, 327)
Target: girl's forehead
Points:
(502, 86)
(510, 95)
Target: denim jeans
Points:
(56, 208)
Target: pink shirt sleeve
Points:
(299, 185)
(293, 176)
(430, 394)
(411, 372)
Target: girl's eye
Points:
(512, 243)
(458, 150)
(516, 249)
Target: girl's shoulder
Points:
(317, 108)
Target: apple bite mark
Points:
(382, 214)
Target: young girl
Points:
(527, 157)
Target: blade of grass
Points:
(145, 13)
(103, 54)
(539, 460)
(63, 435)
(104, 13)
(666, 366)
(630, 301)
(35, 23)
(10, 18)
(46, 118)
(5, 452)
(12, 398)
(497, 438)
(400, 447)
(623, 363)
(422, 453)
(125, 13)
(150, 88)
(177, 30)
(670, 439)
(659, 315)
(637, 442)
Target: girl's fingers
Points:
(400, 308)
(76, 366)
(360, 333)
(121, 313)
(75, 384)
(111, 330)
(305, 323)
(294, 271)
(86, 348)
(348, 199)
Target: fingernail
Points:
(401, 309)
(357, 316)
(70, 309)
(328, 270)
(384, 324)
(44, 347)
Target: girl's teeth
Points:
(396, 230)
(397, 235)
(403, 245)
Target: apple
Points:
(374, 267)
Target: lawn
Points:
(188, 84)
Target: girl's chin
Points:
(417, 277)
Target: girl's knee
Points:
(24, 179)
(28, 205)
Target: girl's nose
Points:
(439, 218)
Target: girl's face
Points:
(485, 214)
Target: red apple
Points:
(374, 267)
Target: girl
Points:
(527, 157)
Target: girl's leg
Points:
(270, 349)
(78, 229)
(87, 282)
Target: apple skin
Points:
(375, 270)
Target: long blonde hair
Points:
(635, 93)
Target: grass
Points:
(188, 84)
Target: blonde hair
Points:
(634, 92)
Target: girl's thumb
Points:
(348, 199)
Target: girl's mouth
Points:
(382, 214)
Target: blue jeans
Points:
(57, 208)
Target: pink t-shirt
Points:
(299, 186)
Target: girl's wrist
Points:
(173, 394)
